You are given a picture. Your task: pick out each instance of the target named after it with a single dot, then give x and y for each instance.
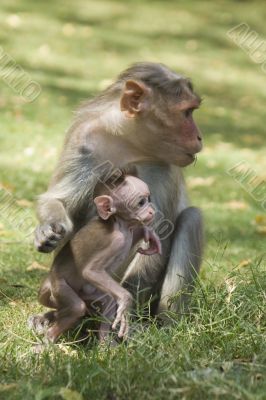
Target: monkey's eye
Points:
(142, 202)
(188, 112)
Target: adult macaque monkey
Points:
(83, 271)
(144, 118)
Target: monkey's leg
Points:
(185, 259)
(70, 308)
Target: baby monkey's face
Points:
(132, 201)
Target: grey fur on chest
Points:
(163, 186)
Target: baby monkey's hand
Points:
(152, 238)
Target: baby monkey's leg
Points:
(109, 308)
(40, 322)
(70, 308)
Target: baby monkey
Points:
(86, 268)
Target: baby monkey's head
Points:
(126, 196)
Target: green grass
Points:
(73, 49)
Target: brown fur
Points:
(144, 118)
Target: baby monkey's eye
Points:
(142, 202)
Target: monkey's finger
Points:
(47, 246)
(126, 328)
(147, 252)
(118, 317)
(142, 251)
(155, 241)
(116, 321)
(123, 327)
(58, 229)
(50, 235)
(153, 249)
(45, 238)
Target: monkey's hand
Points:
(47, 236)
(154, 243)
(121, 318)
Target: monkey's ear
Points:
(134, 98)
(105, 206)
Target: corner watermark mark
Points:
(17, 78)
(250, 42)
(250, 181)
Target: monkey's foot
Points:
(38, 323)
(47, 236)
(39, 348)
(121, 320)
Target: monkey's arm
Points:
(100, 279)
(72, 183)
(154, 242)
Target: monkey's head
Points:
(159, 105)
(128, 199)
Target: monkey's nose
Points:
(199, 138)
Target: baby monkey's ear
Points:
(105, 206)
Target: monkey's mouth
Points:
(192, 156)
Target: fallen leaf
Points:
(7, 386)
(24, 203)
(230, 286)
(236, 205)
(199, 181)
(36, 266)
(67, 350)
(244, 263)
(69, 394)
(260, 219)
(6, 233)
(261, 230)
(7, 186)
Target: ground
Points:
(73, 50)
